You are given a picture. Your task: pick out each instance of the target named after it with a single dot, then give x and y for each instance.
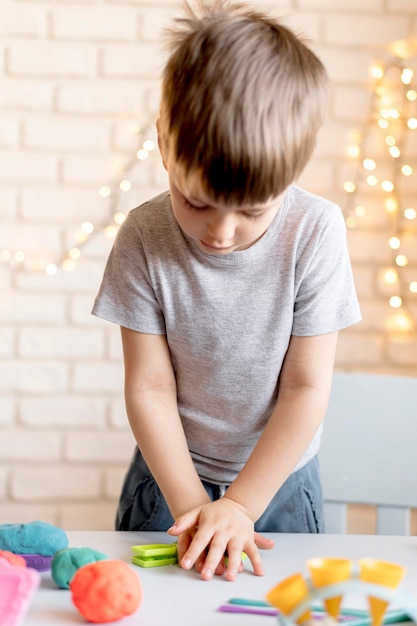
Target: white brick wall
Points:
(74, 76)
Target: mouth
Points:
(215, 248)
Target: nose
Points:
(221, 228)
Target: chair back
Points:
(368, 452)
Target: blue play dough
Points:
(66, 562)
(32, 538)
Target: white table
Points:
(175, 597)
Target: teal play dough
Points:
(32, 538)
(67, 561)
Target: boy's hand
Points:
(209, 532)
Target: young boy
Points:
(229, 290)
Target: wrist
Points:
(185, 504)
(239, 503)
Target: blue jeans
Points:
(296, 508)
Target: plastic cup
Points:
(380, 573)
(330, 571)
(288, 594)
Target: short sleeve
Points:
(126, 296)
(325, 299)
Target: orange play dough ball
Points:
(106, 591)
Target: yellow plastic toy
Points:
(327, 572)
(331, 578)
(382, 573)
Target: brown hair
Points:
(242, 100)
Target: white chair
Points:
(369, 450)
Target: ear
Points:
(162, 143)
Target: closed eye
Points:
(204, 207)
(253, 216)
(194, 207)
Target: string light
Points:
(401, 260)
(104, 191)
(125, 185)
(377, 72)
(401, 321)
(387, 185)
(5, 255)
(391, 205)
(148, 145)
(51, 269)
(119, 218)
(395, 302)
(353, 151)
(394, 243)
(360, 211)
(391, 114)
(142, 154)
(110, 231)
(74, 254)
(87, 229)
(410, 214)
(372, 180)
(349, 186)
(369, 164)
(134, 128)
(395, 152)
(406, 75)
(68, 265)
(391, 277)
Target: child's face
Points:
(216, 228)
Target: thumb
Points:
(263, 543)
(184, 522)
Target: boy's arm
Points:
(304, 390)
(151, 404)
(305, 383)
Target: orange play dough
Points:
(13, 559)
(106, 591)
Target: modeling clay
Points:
(14, 559)
(68, 560)
(17, 585)
(106, 591)
(38, 561)
(32, 538)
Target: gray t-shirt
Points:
(228, 319)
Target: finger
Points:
(199, 564)
(263, 543)
(255, 559)
(183, 541)
(219, 571)
(184, 522)
(198, 545)
(234, 560)
(215, 556)
(221, 568)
